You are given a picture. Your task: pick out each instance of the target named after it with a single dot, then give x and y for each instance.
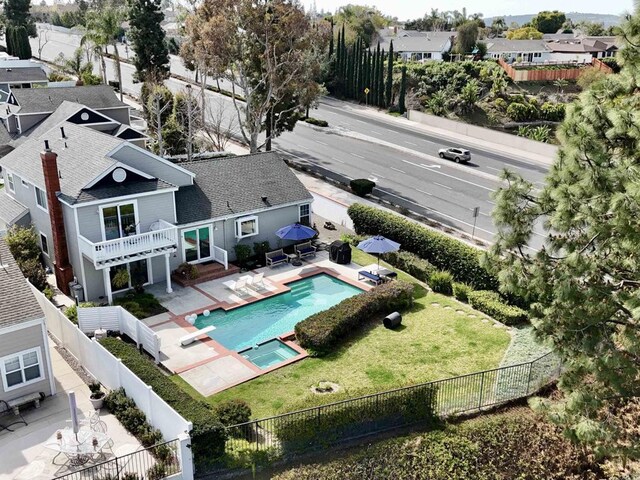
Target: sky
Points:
(410, 9)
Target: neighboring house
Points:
(25, 362)
(530, 51)
(417, 46)
(17, 74)
(101, 204)
(594, 47)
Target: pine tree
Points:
(389, 83)
(403, 90)
(148, 39)
(19, 26)
(381, 80)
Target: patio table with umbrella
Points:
(379, 245)
(296, 232)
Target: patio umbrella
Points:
(378, 245)
(296, 231)
(73, 407)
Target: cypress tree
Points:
(331, 39)
(148, 40)
(381, 80)
(403, 90)
(376, 84)
(338, 67)
(358, 75)
(350, 72)
(389, 75)
(344, 63)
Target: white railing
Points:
(166, 237)
(220, 255)
(118, 319)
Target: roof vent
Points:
(46, 146)
(8, 69)
(264, 198)
(119, 175)
(62, 133)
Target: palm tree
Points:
(103, 28)
(93, 45)
(75, 64)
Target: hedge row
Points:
(411, 264)
(322, 331)
(463, 261)
(492, 304)
(343, 420)
(208, 435)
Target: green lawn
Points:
(433, 343)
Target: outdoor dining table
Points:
(78, 448)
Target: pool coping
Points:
(286, 338)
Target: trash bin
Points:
(340, 252)
(392, 320)
(77, 292)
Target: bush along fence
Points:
(355, 418)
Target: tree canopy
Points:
(148, 39)
(361, 21)
(548, 22)
(584, 282)
(524, 33)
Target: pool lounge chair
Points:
(372, 277)
(305, 250)
(275, 258)
(257, 282)
(238, 286)
(190, 338)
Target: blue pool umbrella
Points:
(296, 231)
(378, 245)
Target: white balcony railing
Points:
(120, 250)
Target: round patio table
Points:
(78, 448)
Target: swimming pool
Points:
(256, 322)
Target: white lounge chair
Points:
(190, 338)
(238, 286)
(257, 282)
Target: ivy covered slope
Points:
(585, 282)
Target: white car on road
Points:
(457, 154)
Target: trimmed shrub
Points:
(411, 264)
(208, 434)
(445, 253)
(321, 332)
(492, 304)
(260, 249)
(243, 252)
(233, 412)
(140, 305)
(441, 282)
(553, 112)
(315, 121)
(461, 291)
(23, 244)
(501, 104)
(352, 239)
(362, 186)
(344, 419)
(72, 311)
(188, 271)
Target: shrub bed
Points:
(441, 282)
(411, 264)
(492, 304)
(208, 435)
(362, 186)
(140, 305)
(315, 121)
(443, 252)
(321, 332)
(461, 291)
(325, 425)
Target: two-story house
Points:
(102, 204)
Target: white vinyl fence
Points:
(118, 319)
(110, 371)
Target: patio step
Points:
(207, 272)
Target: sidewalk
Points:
(440, 132)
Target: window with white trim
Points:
(305, 214)
(246, 227)
(25, 184)
(21, 369)
(44, 244)
(10, 182)
(41, 198)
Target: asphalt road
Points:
(402, 161)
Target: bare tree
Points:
(188, 112)
(42, 35)
(221, 124)
(159, 109)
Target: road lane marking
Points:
(422, 191)
(443, 186)
(360, 121)
(397, 169)
(337, 160)
(377, 175)
(322, 143)
(410, 143)
(447, 175)
(492, 203)
(494, 169)
(356, 155)
(375, 133)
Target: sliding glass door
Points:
(137, 273)
(196, 244)
(119, 221)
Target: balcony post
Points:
(167, 263)
(107, 284)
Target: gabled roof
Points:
(17, 302)
(22, 74)
(504, 45)
(414, 41)
(46, 100)
(10, 209)
(233, 186)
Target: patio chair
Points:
(257, 282)
(276, 258)
(238, 286)
(305, 250)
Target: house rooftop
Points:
(415, 41)
(10, 209)
(47, 100)
(235, 185)
(22, 74)
(504, 45)
(18, 304)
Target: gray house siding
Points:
(72, 240)
(17, 341)
(118, 114)
(28, 121)
(93, 281)
(141, 161)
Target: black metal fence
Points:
(362, 416)
(153, 463)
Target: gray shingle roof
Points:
(503, 45)
(10, 209)
(240, 183)
(413, 41)
(22, 74)
(64, 111)
(44, 100)
(17, 302)
(129, 188)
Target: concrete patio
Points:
(207, 365)
(23, 455)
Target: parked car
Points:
(457, 154)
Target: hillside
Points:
(576, 17)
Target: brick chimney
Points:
(61, 266)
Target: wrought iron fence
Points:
(156, 462)
(362, 416)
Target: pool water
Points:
(269, 353)
(257, 322)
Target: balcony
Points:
(134, 247)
